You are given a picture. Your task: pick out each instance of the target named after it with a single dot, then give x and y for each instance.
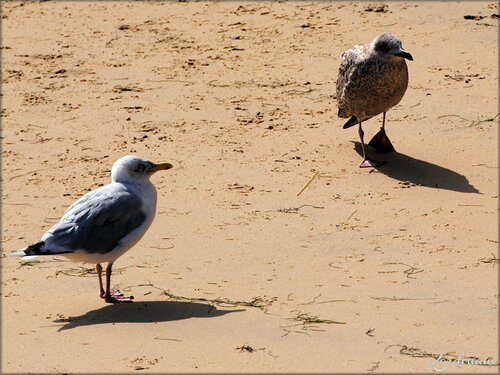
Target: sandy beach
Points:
(271, 250)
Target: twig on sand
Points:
(211, 83)
(399, 298)
(80, 272)
(258, 302)
(493, 259)
(472, 122)
(296, 209)
(307, 322)
(28, 263)
(165, 338)
(449, 356)
(32, 263)
(351, 215)
(410, 271)
(298, 92)
(307, 318)
(344, 223)
(306, 185)
(84, 271)
(312, 301)
(25, 174)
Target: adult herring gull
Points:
(106, 222)
(372, 79)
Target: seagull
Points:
(372, 79)
(106, 222)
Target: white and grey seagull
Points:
(106, 222)
(372, 79)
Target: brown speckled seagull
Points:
(372, 79)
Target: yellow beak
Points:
(162, 167)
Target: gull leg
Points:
(367, 162)
(380, 141)
(98, 268)
(113, 296)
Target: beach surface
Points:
(271, 250)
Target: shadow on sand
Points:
(405, 168)
(144, 312)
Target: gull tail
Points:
(29, 252)
(353, 121)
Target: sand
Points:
(324, 267)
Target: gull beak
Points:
(161, 167)
(405, 55)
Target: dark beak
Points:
(405, 55)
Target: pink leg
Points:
(98, 268)
(380, 141)
(113, 296)
(367, 162)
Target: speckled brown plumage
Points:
(372, 79)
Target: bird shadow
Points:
(143, 312)
(407, 169)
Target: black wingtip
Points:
(351, 122)
(34, 249)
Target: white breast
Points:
(148, 195)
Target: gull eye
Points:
(140, 168)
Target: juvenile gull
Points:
(106, 222)
(372, 79)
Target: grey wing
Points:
(97, 222)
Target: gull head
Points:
(388, 46)
(133, 169)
